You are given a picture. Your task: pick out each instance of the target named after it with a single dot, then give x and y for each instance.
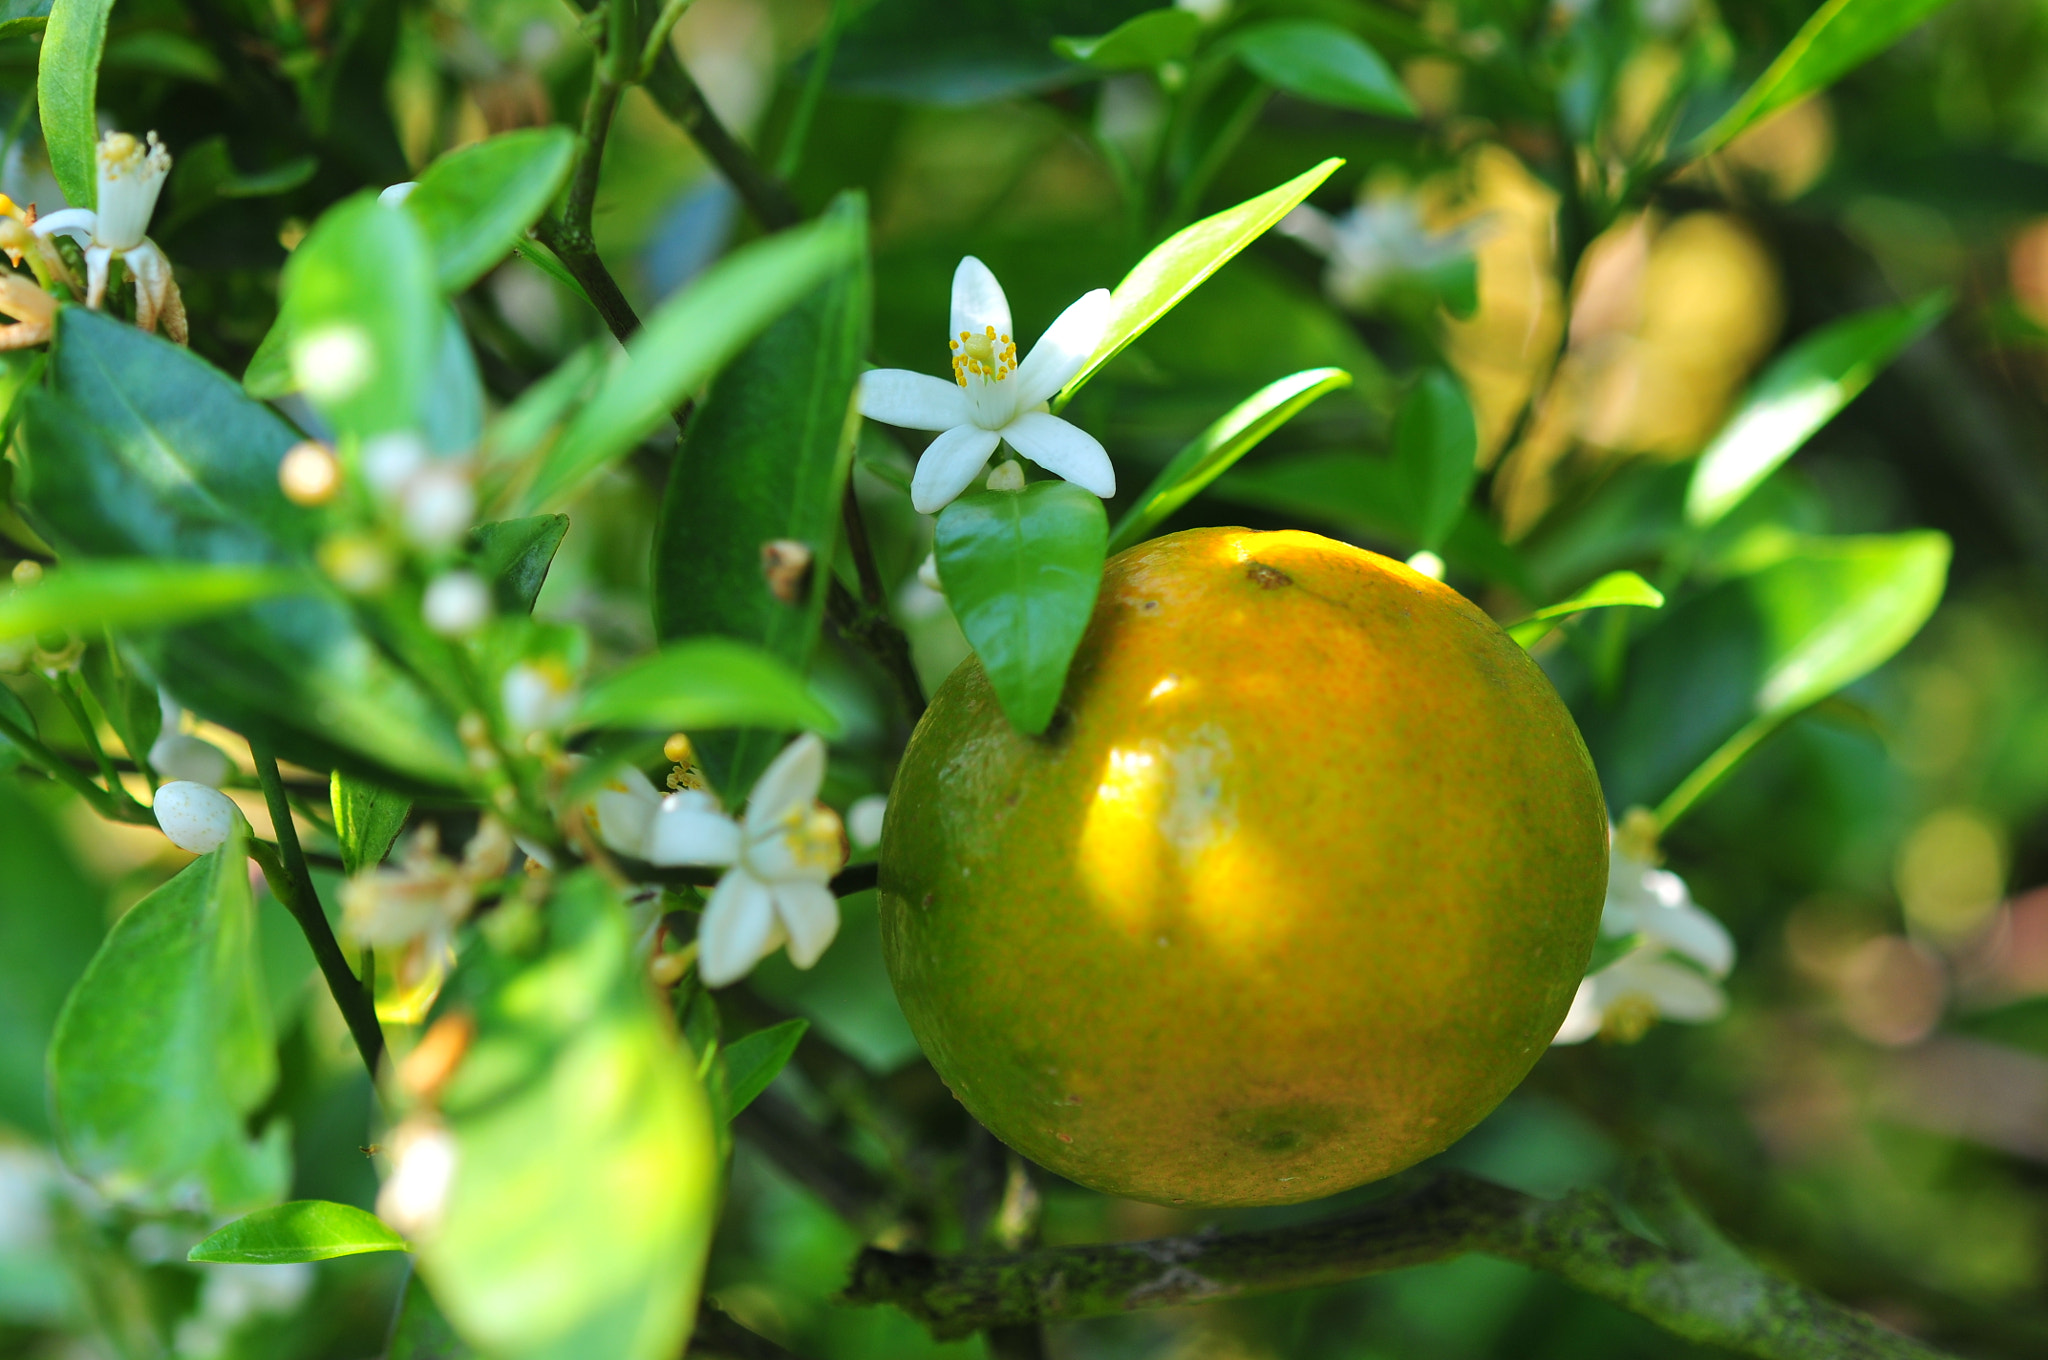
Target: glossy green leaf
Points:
(269, 374)
(363, 314)
(685, 342)
(1841, 35)
(706, 682)
(1436, 450)
(20, 18)
(753, 1061)
(51, 920)
(538, 412)
(476, 203)
(1136, 44)
(367, 819)
(1179, 264)
(1797, 395)
(129, 699)
(1021, 570)
(1615, 588)
(301, 1230)
(91, 595)
(1798, 619)
(140, 448)
(67, 94)
(514, 555)
(580, 1219)
(1212, 452)
(1322, 62)
(164, 1049)
(766, 459)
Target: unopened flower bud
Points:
(677, 749)
(423, 1167)
(864, 819)
(436, 506)
(390, 460)
(786, 564)
(186, 759)
(538, 695)
(456, 603)
(197, 817)
(332, 362)
(27, 572)
(308, 474)
(928, 573)
(1429, 564)
(1008, 476)
(359, 565)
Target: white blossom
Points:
(993, 397)
(34, 311)
(456, 602)
(1673, 970)
(864, 819)
(197, 817)
(1375, 245)
(423, 1162)
(410, 910)
(131, 175)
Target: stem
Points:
(292, 884)
(677, 95)
(1699, 1287)
(854, 878)
(863, 551)
(792, 154)
(71, 691)
(71, 777)
(657, 37)
(875, 633)
(1710, 771)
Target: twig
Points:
(1697, 1287)
(292, 884)
(798, 132)
(875, 633)
(71, 777)
(677, 95)
(871, 592)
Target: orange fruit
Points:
(1295, 889)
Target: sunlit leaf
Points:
(1320, 61)
(67, 94)
(127, 594)
(1211, 453)
(1140, 43)
(1797, 395)
(367, 819)
(1178, 265)
(1021, 570)
(476, 203)
(706, 682)
(1436, 447)
(1841, 35)
(302, 1230)
(1615, 588)
(753, 1061)
(514, 555)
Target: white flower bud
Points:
(456, 603)
(928, 573)
(436, 506)
(864, 819)
(1429, 564)
(197, 817)
(538, 696)
(308, 474)
(390, 460)
(333, 362)
(1008, 476)
(189, 760)
(423, 1167)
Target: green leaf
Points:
(686, 341)
(269, 375)
(367, 819)
(580, 1219)
(1322, 62)
(476, 203)
(1436, 450)
(1797, 395)
(67, 95)
(1212, 452)
(1841, 35)
(766, 458)
(20, 18)
(514, 555)
(529, 421)
(1179, 264)
(302, 1230)
(92, 595)
(129, 698)
(51, 920)
(1608, 949)
(363, 315)
(753, 1061)
(1021, 569)
(1149, 40)
(421, 1331)
(706, 682)
(1615, 588)
(164, 1049)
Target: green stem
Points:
(291, 882)
(71, 690)
(657, 37)
(678, 96)
(71, 777)
(1715, 767)
(792, 154)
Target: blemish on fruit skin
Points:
(1267, 578)
(1148, 606)
(1064, 1137)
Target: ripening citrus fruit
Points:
(1295, 889)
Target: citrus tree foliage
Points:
(488, 501)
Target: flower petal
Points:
(624, 812)
(949, 463)
(1677, 991)
(791, 782)
(77, 223)
(1691, 931)
(1064, 450)
(1062, 351)
(97, 259)
(978, 301)
(1582, 1022)
(1314, 229)
(690, 828)
(739, 929)
(915, 401)
(810, 915)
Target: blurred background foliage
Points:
(1872, 1115)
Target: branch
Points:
(677, 95)
(1702, 1290)
(872, 630)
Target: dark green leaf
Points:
(752, 1061)
(513, 555)
(579, 1222)
(1797, 395)
(129, 699)
(1140, 43)
(476, 203)
(1436, 448)
(1615, 588)
(686, 341)
(1325, 63)
(67, 95)
(164, 1048)
(50, 922)
(1212, 452)
(1179, 264)
(93, 595)
(1021, 569)
(367, 819)
(302, 1230)
(766, 459)
(1841, 35)
(706, 682)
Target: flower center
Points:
(989, 356)
(810, 836)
